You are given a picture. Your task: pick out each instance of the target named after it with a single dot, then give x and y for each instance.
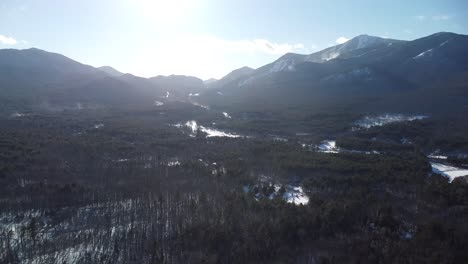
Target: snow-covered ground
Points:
(328, 146)
(296, 195)
(158, 103)
(438, 155)
(18, 115)
(226, 115)
(210, 132)
(173, 163)
(72, 234)
(98, 126)
(200, 105)
(381, 120)
(292, 193)
(217, 133)
(448, 171)
(434, 156)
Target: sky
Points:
(210, 38)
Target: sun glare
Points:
(165, 11)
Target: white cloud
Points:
(342, 40)
(248, 46)
(441, 17)
(7, 40)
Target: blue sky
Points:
(209, 38)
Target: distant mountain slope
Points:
(233, 76)
(365, 74)
(179, 85)
(35, 78)
(111, 71)
(210, 81)
(362, 74)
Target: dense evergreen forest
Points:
(115, 186)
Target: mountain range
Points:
(365, 74)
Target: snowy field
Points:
(448, 171)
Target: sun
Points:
(163, 12)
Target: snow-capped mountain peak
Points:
(363, 41)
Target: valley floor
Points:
(206, 186)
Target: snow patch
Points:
(210, 132)
(98, 126)
(296, 195)
(328, 146)
(200, 105)
(18, 115)
(283, 65)
(372, 121)
(158, 103)
(330, 56)
(366, 41)
(173, 163)
(436, 155)
(448, 171)
(292, 193)
(217, 133)
(423, 54)
(226, 115)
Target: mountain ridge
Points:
(370, 72)
(367, 69)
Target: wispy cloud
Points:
(7, 40)
(250, 46)
(341, 40)
(441, 17)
